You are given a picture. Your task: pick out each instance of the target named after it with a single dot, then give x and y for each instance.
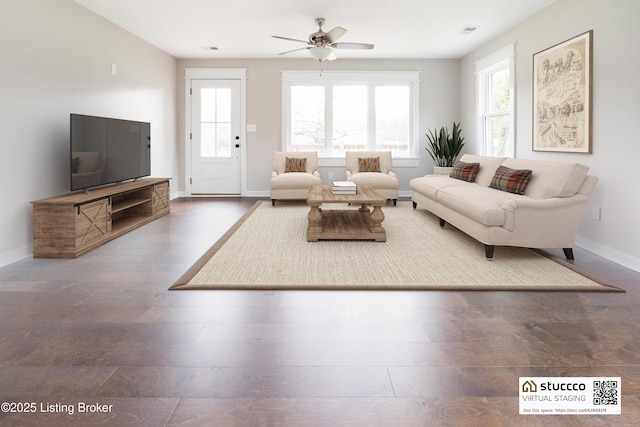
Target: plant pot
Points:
(442, 170)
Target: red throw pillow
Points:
(511, 180)
(465, 171)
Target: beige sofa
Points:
(547, 215)
(293, 185)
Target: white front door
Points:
(215, 137)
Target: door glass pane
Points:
(208, 104)
(393, 128)
(307, 118)
(223, 105)
(207, 140)
(349, 119)
(223, 138)
(215, 126)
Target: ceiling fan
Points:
(321, 44)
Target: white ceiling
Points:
(243, 28)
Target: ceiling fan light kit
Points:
(321, 44)
(320, 53)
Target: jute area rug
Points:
(267, 249)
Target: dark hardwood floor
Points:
(103, 330)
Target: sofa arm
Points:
(316, 174)
(349, 174)
(274, 174)
(545, 223)
(392, 173)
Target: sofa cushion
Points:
(294, 180)
(429, 185)
(488, 166)
(375, 179)
(482, 204)
(369, 164)
(551, 179)
(465, 171)
(295, 164)
(511, 180)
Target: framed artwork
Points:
(562, 96)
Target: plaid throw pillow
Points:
(295, 164)
(369, 164)
(465, 171)
(511, 180)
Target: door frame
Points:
(191, 74)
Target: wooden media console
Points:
(71, 225)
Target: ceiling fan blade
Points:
(294, 50)
(290, 39)
(352, 45)
(334, 35)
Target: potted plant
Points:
(444, 148)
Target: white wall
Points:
(55, 59)
(616, 111)
(439, 94)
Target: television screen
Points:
(105, 151)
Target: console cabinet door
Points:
(92, 222)
(160, 202)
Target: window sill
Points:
(340, 162)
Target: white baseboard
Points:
(15, 255)
(261, 194)
(609, 253)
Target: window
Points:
(350, 111)
(495, 83)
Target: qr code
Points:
(605, 392)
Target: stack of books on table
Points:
(344, 187)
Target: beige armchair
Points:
(293, 173)
(373, 168)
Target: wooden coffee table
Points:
(345, 224)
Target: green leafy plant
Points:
(444, 147)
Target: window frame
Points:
(371, 79)
(485, 68)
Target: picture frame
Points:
(562, 88)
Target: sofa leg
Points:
(488, 251)
(395, 202)
(568, 252)
(415, 205)
(273, 202)
(442, 222)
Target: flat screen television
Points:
(106, 151)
